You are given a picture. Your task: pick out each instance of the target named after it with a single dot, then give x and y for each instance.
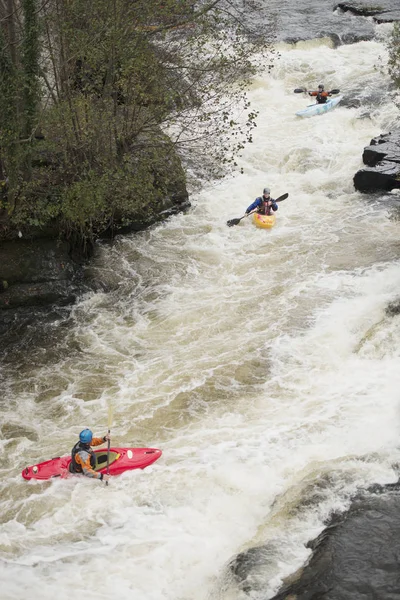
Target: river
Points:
(261, 362)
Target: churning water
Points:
(261, 362)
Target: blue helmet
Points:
(86, 436)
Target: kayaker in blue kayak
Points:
(264, 204)
(83, 459)
(320, 94)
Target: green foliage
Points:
(9, 118)
(93, 200)
(394, 55)
(19, 96)
(30, 63)
(103, 79)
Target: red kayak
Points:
(121, 460)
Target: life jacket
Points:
(263, 209)
(74, 467)
(322, 97)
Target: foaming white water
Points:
(261, 362)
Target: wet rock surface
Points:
(343, 23)
(384, 11)
(36, 272)
(382, 158)
(393, 308)
(43, 271)
(357, 556)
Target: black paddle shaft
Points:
(232, 222)
(108, 456)
(301, 90)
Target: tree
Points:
(19, 91)
(117, 76)
(394, 55)
(144, 64)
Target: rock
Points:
(388, 17)
(38, 294)
(356, 557)
(372, 180)
(381, 12)
(36, 272)
(382, 157)
(393, 308)
(357, 8)
(35, 261)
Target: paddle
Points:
(110, 412)
(301, 90)
(232, 222)
(108, 456)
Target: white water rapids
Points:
(261, 362)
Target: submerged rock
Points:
(393, 308)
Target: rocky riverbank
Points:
(382, 160)
(356, 556)
(38, 269)
(382, 12)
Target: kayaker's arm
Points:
(83, 459)
(98, 441)
(255, 204)
(274, 205)
(323, 94)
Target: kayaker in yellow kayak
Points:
(83, 459)
(264, 204)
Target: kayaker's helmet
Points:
(321, 87)
(85, 436)
(266, 192)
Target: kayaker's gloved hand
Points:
(104, 477)
(106, 437)
(247, 212)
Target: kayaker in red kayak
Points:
(264, 204)
(321, 95)
(83, 458)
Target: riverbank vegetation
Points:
(394, 55)
(100, 100)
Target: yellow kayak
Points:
(264, 221)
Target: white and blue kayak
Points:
(319, 109)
